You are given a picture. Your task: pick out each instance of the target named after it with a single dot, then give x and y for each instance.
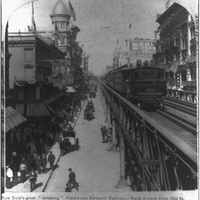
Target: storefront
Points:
(14, 120)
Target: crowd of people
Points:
(28, 145)
(27, 150)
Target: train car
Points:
(144, 86)
(148, 87)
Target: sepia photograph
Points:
(99, 96)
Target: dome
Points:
(61, 8)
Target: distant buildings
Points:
(129, 51)
(176, 43)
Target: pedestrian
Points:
(32, 162)
(19, 177)
(61, 146)
(77, 144)
(103, 133)
(110, 134)
(14, 162)
(38, 162)
(23, 170)
(51, 159)
(32, 179)
(43, 162)
(9, 176)
(72, 183)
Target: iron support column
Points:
(122, 182)
(114, 143)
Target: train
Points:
(144, 86)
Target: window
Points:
(148, 74)
(62, 25)
(28, 55)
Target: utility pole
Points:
(33, 18)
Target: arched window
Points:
(62, 25)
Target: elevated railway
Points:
(164, 151)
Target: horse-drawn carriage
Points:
(69, 142)
(89, 111)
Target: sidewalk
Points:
(42, 178)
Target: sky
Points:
(101, 22)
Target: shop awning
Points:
(13, 118)
(70, 89)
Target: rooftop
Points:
(62, 8)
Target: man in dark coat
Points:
(72, 175)
(72, 183)
(103, 133)
(15, 160)
(51, 159)
(32, 179)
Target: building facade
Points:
(64, 35)
(60, 18)
(85, 62)
(176, 45)
(129, 51)
(33, 65)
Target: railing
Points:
(188, 96)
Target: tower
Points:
(61, 14)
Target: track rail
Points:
(191, 127)
(185, 107)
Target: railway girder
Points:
(147, 161)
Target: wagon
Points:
(69, 142)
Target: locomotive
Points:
(143, 86)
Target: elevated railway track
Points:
(186, 107)
(190, 126)
(161, 148)
(180, 112)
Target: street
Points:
(96, 168)
(99, 96)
